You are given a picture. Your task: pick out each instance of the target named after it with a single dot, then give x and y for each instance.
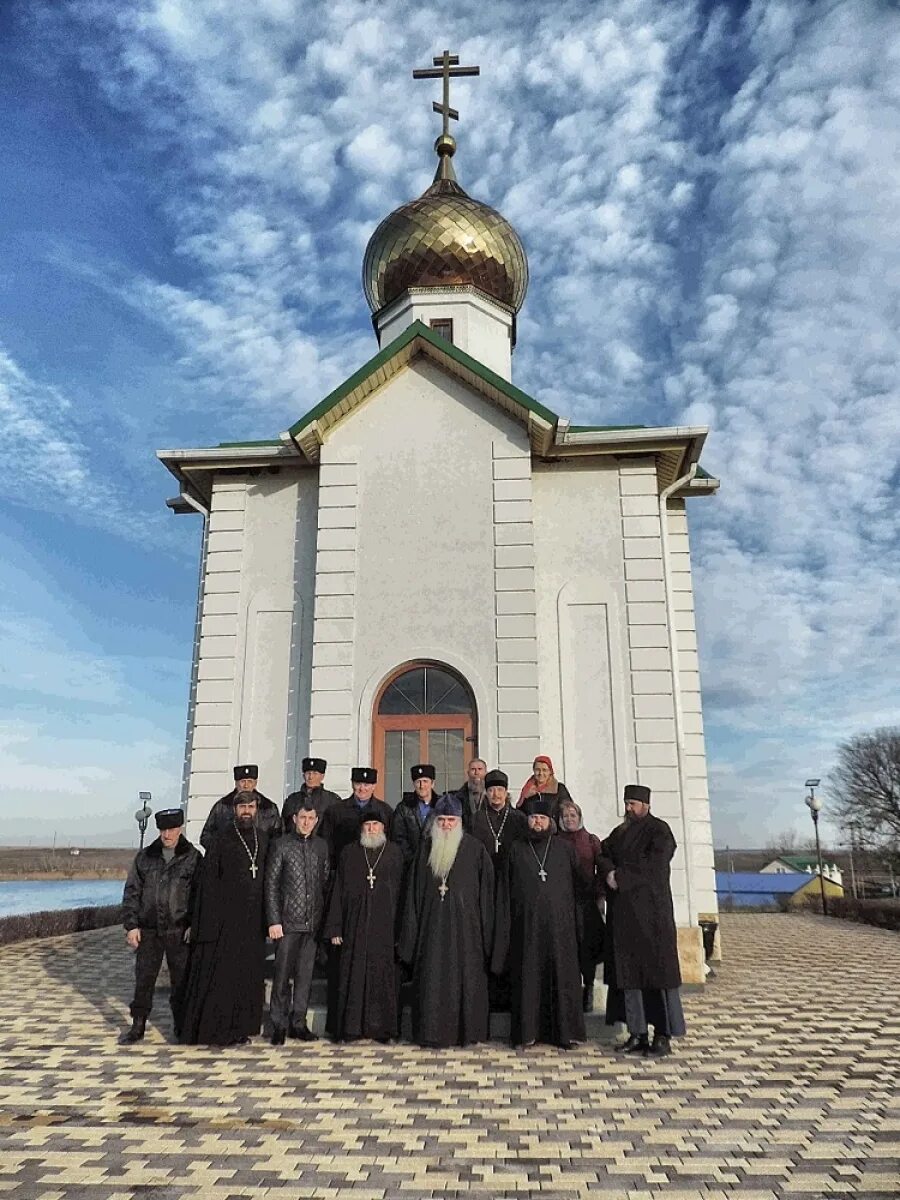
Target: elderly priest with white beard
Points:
(448, 933)
(361, 924)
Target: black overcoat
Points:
(223, 998)
(407, 827)
(537, 938)
(509, 826)
(221, 816)
(641, 947)
(364, 1002)
(447, 942)
(321, 797)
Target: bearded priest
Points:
(537, 934)
(448, 932)
(361, 925)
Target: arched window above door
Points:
(423, 713)
(425, 690)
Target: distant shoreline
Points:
(63, 876)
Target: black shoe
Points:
(278, 1036)
(587, 998)
(660, 1047)
(302, 1033)
(638, 1043)
(135, 1033)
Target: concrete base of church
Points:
(690, 954)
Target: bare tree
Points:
(789, 842)
(866, 785)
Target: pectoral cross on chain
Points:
(253, 869)
(496, 845)
(543, 875)
(443, 889)
(371, 878)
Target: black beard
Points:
(246, 822)
(538, 835)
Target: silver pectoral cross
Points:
(543, 875)
(443, 889)
(371, 878)
(253, 869)
(496, 845)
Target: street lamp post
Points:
(143, 814)
(814, 804)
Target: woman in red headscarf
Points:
(543, 781)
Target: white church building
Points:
(430, 565)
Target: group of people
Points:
(457, 904)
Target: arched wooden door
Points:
(423, 713)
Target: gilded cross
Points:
(446, 66)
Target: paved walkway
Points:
(786, 1086)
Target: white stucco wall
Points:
(583, 645)
(253, 679)
(424, 582)
(696, 799)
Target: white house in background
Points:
(788, 863)
(431, 564)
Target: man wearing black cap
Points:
(641, 948)
(362, 927)
(225, 986)
(297, 873)
(447, 932)
(221, 815)
(340, 824)
(313, 789)
(496, 823)
(414, 814)
(156, 912)
(537, 934)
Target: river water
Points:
(44, 895)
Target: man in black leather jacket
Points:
(156, 913)
(312, 788)
(221, 815)
(296, 880)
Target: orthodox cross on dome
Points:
(446, 67)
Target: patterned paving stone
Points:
(787, 1086)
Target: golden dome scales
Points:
(445, 238)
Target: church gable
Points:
(313, 429)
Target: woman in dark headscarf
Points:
(543, 781)
(589, 895)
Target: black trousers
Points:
(295, 958)
(152, 949)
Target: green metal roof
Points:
(445, 349)
(603, 428)
(249, 445)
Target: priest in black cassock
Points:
(641, 948)
(537, 934)
(448, 932)
(223, 998)
(361, 924)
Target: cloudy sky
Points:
(709, 195)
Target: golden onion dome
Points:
(445, 239)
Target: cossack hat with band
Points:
(363, 775)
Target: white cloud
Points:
(696, 255)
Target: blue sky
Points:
(708, 194)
